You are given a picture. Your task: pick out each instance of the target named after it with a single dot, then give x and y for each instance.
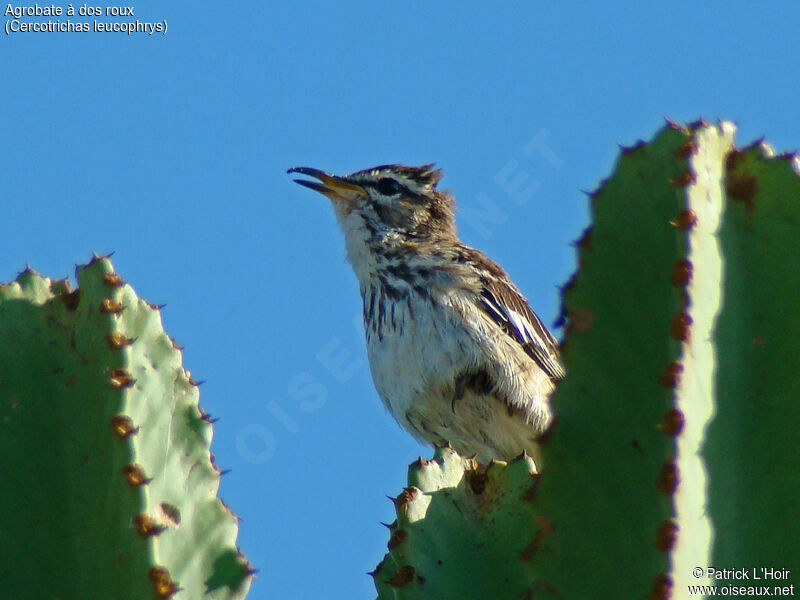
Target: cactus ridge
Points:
(105, 451)
(462, 530)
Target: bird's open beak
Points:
(335, 188)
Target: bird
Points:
(456, 353)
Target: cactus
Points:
(673, 444)
(109, 490)
(431, 552)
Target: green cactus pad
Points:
(752, 449)
(109, 490)
(607, 464)
(720, 326)
(462, 531)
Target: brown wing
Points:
(507, 307)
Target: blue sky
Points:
(171, 151)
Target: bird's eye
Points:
(388, 186)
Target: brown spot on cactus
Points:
(122, 426)
(402, 577)
(667, 535)
(109, 305)
(680, 327)
(530, 495)
(120, 378)
(662, 587)
(162, 582)
(135, 475)
(683, 179)
(117, 341)
(733, 159)
(71, 300)
(669, 478)
(146, 525)
(739, 186)
(681, 273)
(580, 320)
(112, 279)
(742, 189)
(671, 376)
(399, 536)
(405, 497)
(699, 124)
(545, 528)
(171, 512)
(419, 463)
(585, 242)
(673, 422)
(685, 220)
(477, 481)
(688, 148)
(529, 550)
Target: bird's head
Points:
(388, 200)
